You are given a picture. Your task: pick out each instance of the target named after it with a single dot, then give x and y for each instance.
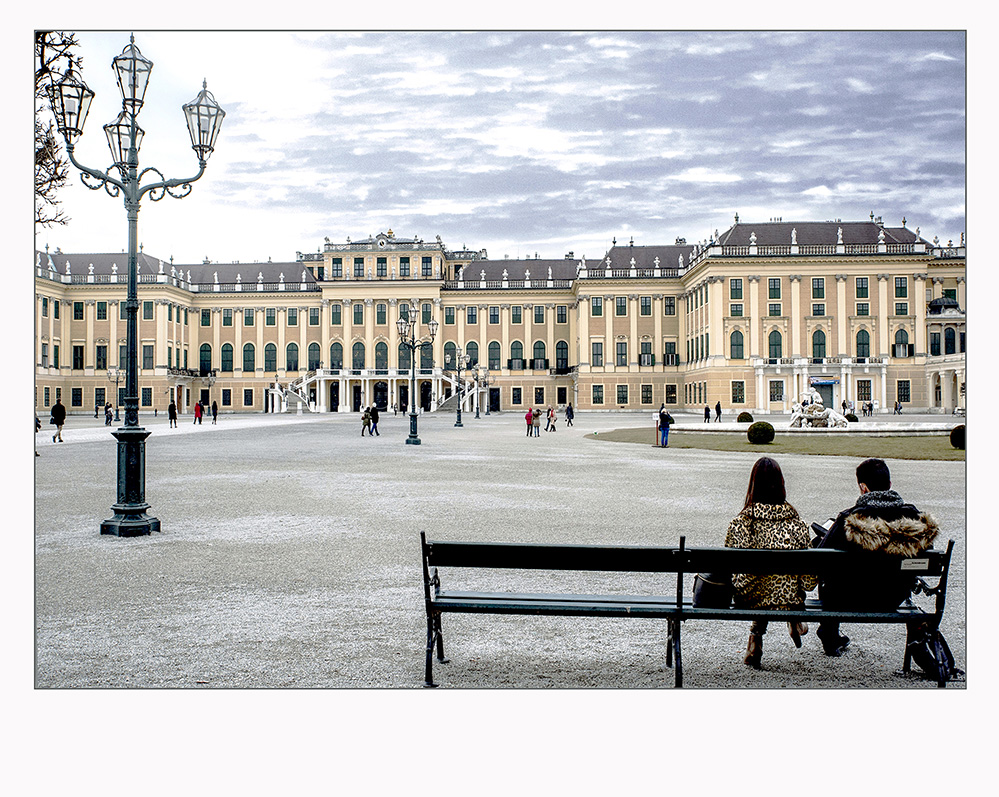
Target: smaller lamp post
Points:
(486, 381)
(461, 360)
(407, 329)
(115, 375)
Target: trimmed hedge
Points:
(745, 417)
(957, 437)
(760, 433)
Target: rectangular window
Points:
(76, 397)
(358, 266)
(669, 305)
(185, 316)
(861, 287)
(336, 314)
(270, 317)
(669, 353)
(818, 309)
(77, 358)
(206, 318)
(516, 314)
(292, 313)
(448, 315)
(55, 308)
(169, 356)
(598, 394)
(539, 314)
(621, 305)
(102, 311)
(336, 268)
(863, 308)
(596, 306)
(735, 310)
(597, 353)
(101, 358)
(621, 352)
(248, 317)
(45, 355)
(428, 310)
(226, 397)
(471, 315)
(645, 305)
(493, 314)
(45, 307)
(170, 312)
(901, 308)
(227, 317)
(776, 390)
(147, 311)
(646, 394)
(863, 389)
(903, 391)
(934, 344)
(100, 397)
(381, 313)
(123, 354)
(358, 312)
(121, 396)
(561, 314)
(671, 394)
(55, 355)
(147, 397)
(77, 311)
(901, 287)
(773, 310)
(313, 316)
(381, 267)
(738, 392)
(248, 397)
(645, 356)
(403, 266)
(773, 288)
(818, 288)
(147, 355)
(122, 314)
(622, 394)
(517, 395)
(427, 267)
(735, 289)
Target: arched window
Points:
(357, 356)
(336, 356)
(901, 343)
(561, 354)
(249, 358)
(314, 350)
(270, 357)
(539, 350)
(206, 358)
(775, 345)
(427, 356)
(381, 356)
(291, 357)
(450, 356)
(517, 351)
(472, 350)
(818, 345)
(863, 343)
(227, 358)
(736, 346)
(494, 356)
(404, 358)
(950, 341)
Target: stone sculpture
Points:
(809, 412)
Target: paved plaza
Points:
(290, 555)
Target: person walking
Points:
(718, 412)
(374, 421)
(215, 412)
(569, 415)
(537, 423)
(172, 414)
(552, 417)
(59, 419)
(707, 414)
(548, 418)
(530, 420)
(107, 414)
(197, 412)
(38, 426)
(768, 521)
(366, 422)
(665, 419)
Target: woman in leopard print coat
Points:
(767, 520)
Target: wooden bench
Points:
(677, 608)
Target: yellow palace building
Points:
(751, 318)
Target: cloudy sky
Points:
(529, 142)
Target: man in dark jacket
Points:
(59, 419)
(374, 421)
(881, 529)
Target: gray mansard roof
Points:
(815, 233)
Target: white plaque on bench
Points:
(915, 564)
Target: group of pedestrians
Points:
(533, 419)
(707, 413)
(369, 421)
(880, 527)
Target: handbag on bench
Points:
(712, 591)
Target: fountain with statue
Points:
(809, 413)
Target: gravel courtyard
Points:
(290, 557)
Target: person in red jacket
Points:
(197, 412)
(530, 420)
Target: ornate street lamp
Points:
(115, 375)
(71, 100)
(460, 360)
(407, 328)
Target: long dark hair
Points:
(766, 484)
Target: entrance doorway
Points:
(425, 395)
(357, 398)
(381, 395)
(334, 396)
(826, 392)
(494, 399)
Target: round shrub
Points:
(745, 417)
(760, 433)
(851, 418)
(957, 437)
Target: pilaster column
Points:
(919, 300)
(841, 343)
(795, 320)
(583, 341)
(756, 323)
(885, 287)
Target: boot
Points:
(754, 651)
(797, 630)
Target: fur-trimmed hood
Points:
(897, 535)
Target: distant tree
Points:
(53, 53)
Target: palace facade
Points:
(751, 318)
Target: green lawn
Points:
(936, 447)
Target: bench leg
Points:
(429, 675)
(440, 639)
(678, 671)
(907, 658)
(669, 643)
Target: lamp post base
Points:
(412, 441)
(127, 523)
(130, 518)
